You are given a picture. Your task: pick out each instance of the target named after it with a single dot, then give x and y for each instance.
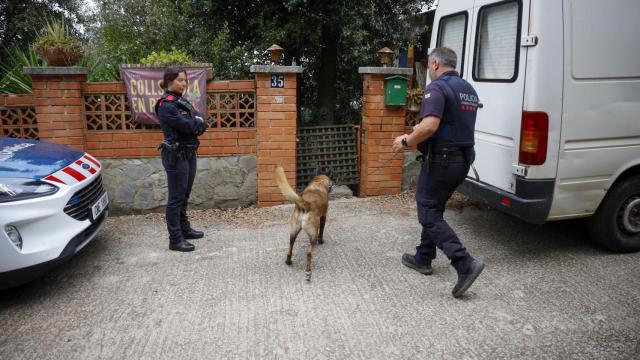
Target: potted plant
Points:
(57, 47)
(175, 57)
(414, 98)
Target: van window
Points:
(452, 33)
(497, 42)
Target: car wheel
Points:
(616, 223)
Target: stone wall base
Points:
(140, 185)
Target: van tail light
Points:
(534, 135)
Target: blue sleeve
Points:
(201, 126)
(433, 102)
(169, 114)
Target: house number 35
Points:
(277, 81)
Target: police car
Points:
(52, 204)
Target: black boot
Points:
(467, 278)
(183, 246)
(421, 267)
(192, 234)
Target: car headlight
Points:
(21, 189)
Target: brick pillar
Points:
(276, 121)
(57, 93)
(380, 169)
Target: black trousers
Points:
(436, 184)
(180, 178)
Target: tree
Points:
(124, 31)
(331, 39)
(22, 21)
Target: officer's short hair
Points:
(445, 56)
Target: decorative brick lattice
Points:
(19, 122)
(111, 112)
(411, 119)
(231, 110)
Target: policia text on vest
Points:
(445, 137)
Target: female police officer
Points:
(181, 125)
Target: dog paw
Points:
(288, 262)
(320, 241)
(308, 276)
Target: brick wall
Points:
(22, 100)
(380, 168)
(18, 116)
(57, 95)
(136, 143)
(64, 115)
(276, 135)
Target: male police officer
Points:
(445, 136)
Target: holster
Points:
(425, 156)
(172, 151)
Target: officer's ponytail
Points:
(170, 74)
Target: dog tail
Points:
(287, 191)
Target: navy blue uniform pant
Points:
(436, 184)
(180, 178)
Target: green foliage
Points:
(21, 21)
(57, 33)
(98, 69)
(13, 80)
(229, 61)
(233, 36)
(167, 58)
(57, 36)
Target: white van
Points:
(558, 136)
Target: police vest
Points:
(185, 109)
(459, 118)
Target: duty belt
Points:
(443, 155)
(175, 150)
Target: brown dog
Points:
(310, 213)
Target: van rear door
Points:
(453, 30)
(496, 69)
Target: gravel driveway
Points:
(547, 292)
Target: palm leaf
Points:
(13, 80)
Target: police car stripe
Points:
(77, 166)
(65, 178)
(55, 179)
(75, 174)
(90, 169)
(93, 160)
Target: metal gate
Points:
(334, 146)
